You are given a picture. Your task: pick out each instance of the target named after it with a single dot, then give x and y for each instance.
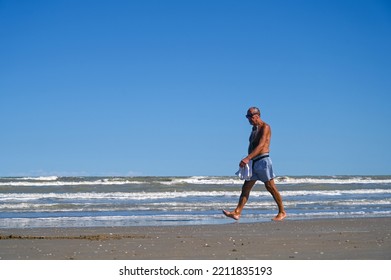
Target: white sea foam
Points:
(184, 194)
(202, 180)
(112, 195)
(332, 180)
(205, 180)
(185, 206)
(195, 180)
(102, 182)
(41, 178)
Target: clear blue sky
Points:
(162, 87)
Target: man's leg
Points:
(246, 189)
(271, 187)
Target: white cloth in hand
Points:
(246, 172)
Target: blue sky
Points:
(161, 88)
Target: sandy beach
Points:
(323, 239)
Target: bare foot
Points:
(279, 217)
(231, 215)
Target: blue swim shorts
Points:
(263, 170)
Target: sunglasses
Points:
(251, 115)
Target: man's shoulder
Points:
(265, 125)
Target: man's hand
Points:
(243, 162)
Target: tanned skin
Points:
(262, 139)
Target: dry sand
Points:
(324, 239)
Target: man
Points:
(258, 152)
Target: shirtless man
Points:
(258, 152)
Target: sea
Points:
(53, 201)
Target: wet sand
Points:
(323, 239)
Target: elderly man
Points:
(262, 169)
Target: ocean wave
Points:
(179, 194)
(117, 201)
(333, 180)
(41, 178)
(112, 195)
(97, 207)
(102, 182)
(183, 181)
(210, 180)
(170, 219)
(202, 180)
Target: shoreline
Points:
(316, 239)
